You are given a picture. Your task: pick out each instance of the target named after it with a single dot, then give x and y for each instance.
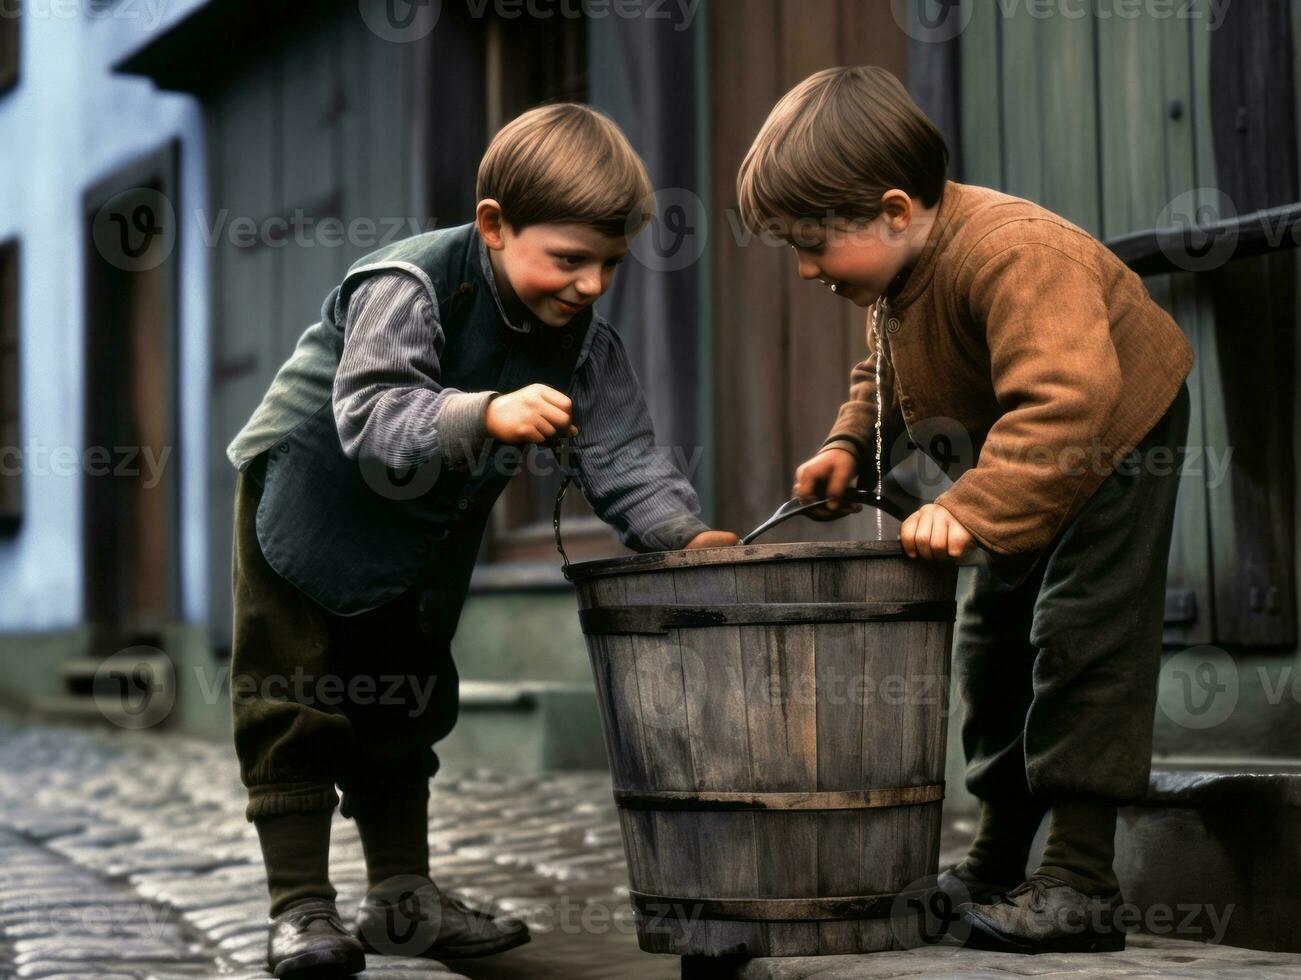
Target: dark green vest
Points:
(353, 534)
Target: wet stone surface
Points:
(125, 855)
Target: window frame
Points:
(11, 484)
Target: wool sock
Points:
(1082, 846)
(1003, 839)
(394, 831)
(296, 852)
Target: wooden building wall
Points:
(326, 126)
(782, 347)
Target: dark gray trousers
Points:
(1059, 674)
(319, 699)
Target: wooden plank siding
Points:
(782, 348)
(1254, 132)
(1145, 77)
(319, 130)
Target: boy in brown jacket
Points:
(1030, 339)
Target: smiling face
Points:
(553, 270)
(862, 258)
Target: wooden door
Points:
(130, 461)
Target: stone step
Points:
(526, 726)
(1214, 854)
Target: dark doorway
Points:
(129, 458)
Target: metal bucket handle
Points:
(564, 451)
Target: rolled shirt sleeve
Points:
(1056, 378)
(630, 482)
(389, 404)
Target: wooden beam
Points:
(1175, 249)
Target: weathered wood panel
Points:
(783, 347)
(1146, 132)
(310, 151)
(1254, 134)
(750, 278)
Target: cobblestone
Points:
(125, 855)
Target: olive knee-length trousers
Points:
(319, 699)
(1059, 674)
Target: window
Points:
(10, 468)
(9, 26)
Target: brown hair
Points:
(834, 144)
(566, 163)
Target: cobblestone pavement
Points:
(125, 855)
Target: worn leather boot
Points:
(407, 916)
(308, 935)
(1044, 915)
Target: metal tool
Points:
(894, 500)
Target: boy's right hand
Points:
(532, 414)
(828, 475)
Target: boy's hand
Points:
(532, 414)
(933, 533)
(713, 539)
(828, 475)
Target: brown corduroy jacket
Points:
(1024, 337)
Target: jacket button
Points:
(462, 504)
(567, 341)
(284, 447)
(893, 324)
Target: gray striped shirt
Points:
(389, 405)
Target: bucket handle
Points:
(566, 456)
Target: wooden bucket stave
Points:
(776, 791)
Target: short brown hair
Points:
(566, 163)
(834, 144)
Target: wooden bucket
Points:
(775, 718)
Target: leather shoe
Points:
(407, 916)
(308, 935)
(1044, 914)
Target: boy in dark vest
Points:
(366, 476)
(997, 322)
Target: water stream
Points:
(878, 338)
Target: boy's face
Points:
(555, 270)
(860, 259)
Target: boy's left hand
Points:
(934, 534)
(713, 539)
